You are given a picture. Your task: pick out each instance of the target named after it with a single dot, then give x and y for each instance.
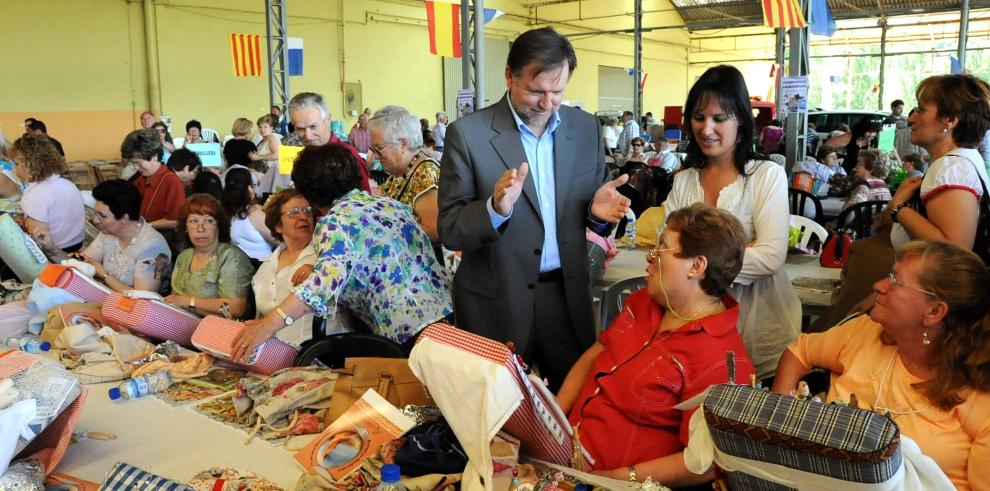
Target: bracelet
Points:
(897, 209)
(632, 474)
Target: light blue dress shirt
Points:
(539, 155)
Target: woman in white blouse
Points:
(722, 170)
(247, 220)
(290, 218)
(953, 115)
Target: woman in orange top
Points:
(922, 356)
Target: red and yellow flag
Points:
(784, 14)
(444, 23)
(245, 54)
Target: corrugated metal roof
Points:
(705, 14)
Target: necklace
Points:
(885, 411)
(697, 314)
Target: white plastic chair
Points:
(179, 142)
(209, 135)
(776, 157)
(809, 228)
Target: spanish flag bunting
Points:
(444, 23)
(785, 14)
(245, 54)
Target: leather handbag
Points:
(390, 377)
(836, 249)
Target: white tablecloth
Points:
(173, 442)
(632, 262)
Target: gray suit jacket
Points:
(494, 285)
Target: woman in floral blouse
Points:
(372, 258)
(398, 141)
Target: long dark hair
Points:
(235, 198)
(725, 85)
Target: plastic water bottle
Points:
(630, 236)
(31, 344)
(141, 386)
(390, 479)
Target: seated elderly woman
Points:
(52, 205)
(373, 259)
(186, 166)
(668, 344)
(872, 169)
(290, 219)
(921, 356)
(10, 184)
(194, 132)
(128, 254)
(914, 165)
(212, 277)
(398, 141)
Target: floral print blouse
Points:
(422, 175)
(13, 203)
(374, 260)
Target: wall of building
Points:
(81, 66)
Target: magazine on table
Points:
(358, 434)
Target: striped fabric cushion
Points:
(124, 476)
(216, 335)
(538, 423)
(152, 318)
(74, 282)
(826, 439)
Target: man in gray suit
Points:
(524, 270)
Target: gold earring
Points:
(690, 275)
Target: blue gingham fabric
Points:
(126, 477)
(826, 439)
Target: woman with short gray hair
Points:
(397, 139)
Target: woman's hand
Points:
(255, 332)
(180, 301)
(906, 190)
(101, 272)
(254, 156)
(301, 274)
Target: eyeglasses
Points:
(654, 253)
(896, 282)
(208, 222)
(380, 148)
(294, 213)
(637, 144)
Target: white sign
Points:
(465, 102)
(793, 96)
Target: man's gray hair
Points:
(396, 124)
(441, 114)
(305, 100)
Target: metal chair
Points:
(859, 218)
(809, 230)
(798, 200)
(333, 350)
(615, 297)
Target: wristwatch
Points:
(632, 474)
(285, 317)
(896, 209)
(192, 304)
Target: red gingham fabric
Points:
(216, 336)
(152, 318)
(543, 433)
(49, 446)
(80, 285)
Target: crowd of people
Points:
(517, 188)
